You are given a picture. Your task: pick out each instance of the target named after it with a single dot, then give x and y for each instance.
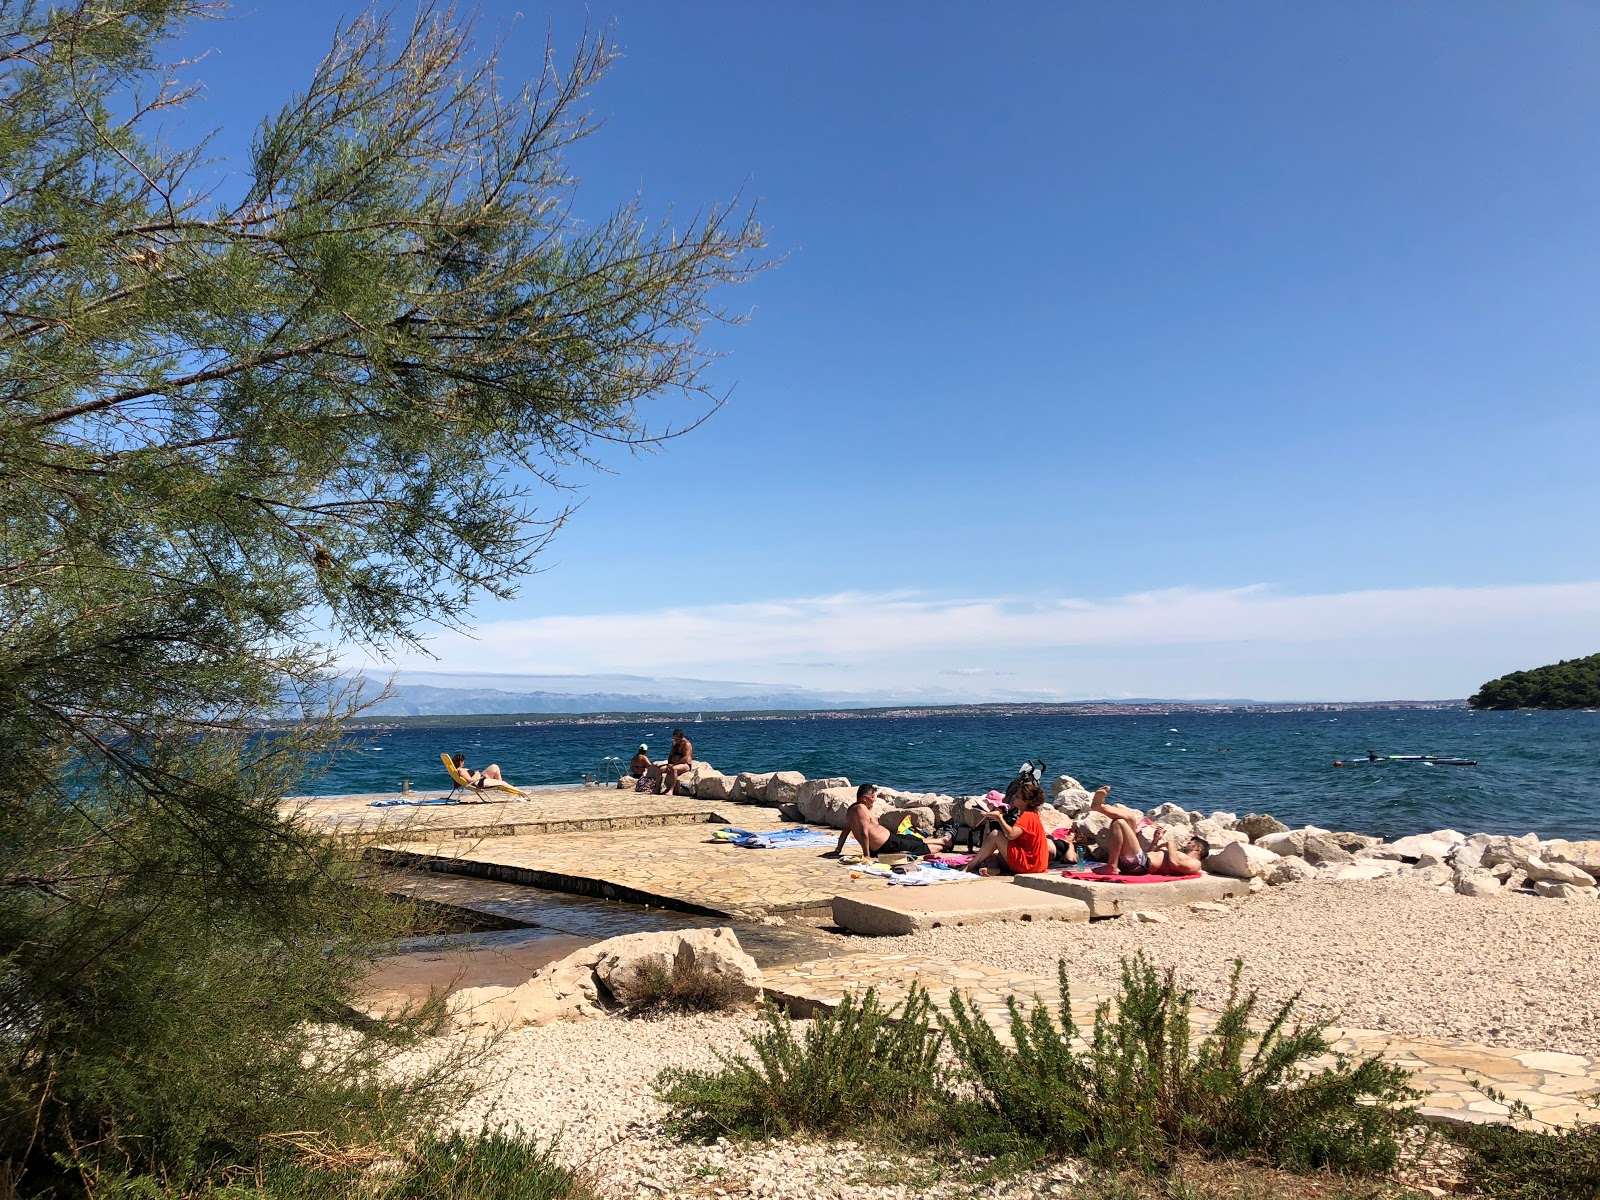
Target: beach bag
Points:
(647, 785)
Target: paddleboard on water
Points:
(1427, 760)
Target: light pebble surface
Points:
(1390, 954)
(588, 1085)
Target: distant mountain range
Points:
(416, 694)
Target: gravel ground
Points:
(588, 1085)
(1391, 954)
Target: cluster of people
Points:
(662, 778)
(1015, 841)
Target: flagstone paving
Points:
(547, 810)
(675, 866)
(1552, 1085)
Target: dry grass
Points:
(686, 988)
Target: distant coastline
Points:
(1097, 708)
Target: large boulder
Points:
(1091, 829)
(1254, 825)
(1578, 854)
(828, 806)
(1409, 849)
(1241, 860)
(1539, 871)
(715, 786)
(1565, 891)
(1513, 850)
(1289, 842)
(751, 786)
(566, 990)
(1070, 796)
(1170, 814)
(1355, 843)
(812, 786)
(1477, 883)
(1216, 835)
(1320, 851)
(783, 787)
(943, 807)
(625, 962)
(1291, 869)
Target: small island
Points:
(1571, 683)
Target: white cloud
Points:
(1199, 637)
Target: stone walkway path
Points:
(1550, 1084)
(676, 866)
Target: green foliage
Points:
(1142, 1094)
(1506, 1163)
(487, 1165)
(232, 429)
(1570, 683)
(859, 1070)
(1139, 1094)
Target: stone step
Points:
(897, 911)
(1116, 899)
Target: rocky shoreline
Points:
(1256, 846)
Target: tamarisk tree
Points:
(233, 431)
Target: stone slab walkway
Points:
(1550, 1084)
(674, 866)
(897, 911)
(547, 810)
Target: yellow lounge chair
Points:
(460, 779)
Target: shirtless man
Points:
(640, 765)
(1124, 854)
(874, 837)
(679, 763)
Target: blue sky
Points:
(1137, 349)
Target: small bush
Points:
(487, 1165)
(1518, 1164)
(860, 1070)
(687, 988)
(1138, 1096)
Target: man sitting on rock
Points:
(873, 835)
(679, 762)
(1124, 854)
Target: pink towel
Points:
(1094, 877)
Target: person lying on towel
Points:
(875, 838)
(1124, 854)
(1020, 847)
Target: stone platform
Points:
(1115, 899)
(1550, 1084)
(898, 911)
(547, 810)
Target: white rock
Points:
(1070, 796)
(1477, 883)
(810, 797)
(784, 787)
(1209, 908)
(1216, 835)
(714, 786)
(1409, 849)
(624, 961)
(1540, 871)
(1322, 850)
(1257, 884)
(1291, 869)
(1148, 918)
(751, 786)
(1513, 850)
(1292, 841)
(1241, 860)
(566, 990)
(829, 807)
(1169, 814)
(1224, 819)
(1353, 872)
(1564, 891)
(1578, 854)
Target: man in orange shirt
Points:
(1022, 847)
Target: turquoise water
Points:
(1537, 771)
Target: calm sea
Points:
(1536, 771)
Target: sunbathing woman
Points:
(1124, 854)
(1020, 848)
(490, 774)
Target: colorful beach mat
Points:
(1096, 877)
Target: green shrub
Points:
(686, 988)
(861, 1070)
(1138, 1095)
(1520, 1164)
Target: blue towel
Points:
(777, 839)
